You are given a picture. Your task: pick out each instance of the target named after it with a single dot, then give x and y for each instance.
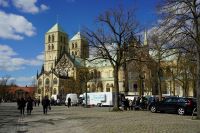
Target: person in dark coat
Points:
(29, 105)
(38, 102)
(21, 105)
(45, 104)
(69, 102)
(137, 104)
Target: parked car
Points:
(179, 105)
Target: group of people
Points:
(136, 103)
(29, 102)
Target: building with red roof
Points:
(18, 91)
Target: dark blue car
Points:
(179, 105)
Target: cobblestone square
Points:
(93, 120)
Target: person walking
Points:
(21, 105)
(45, 104)
(38, 102)
(29, 105)
(69, 102)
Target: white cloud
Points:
(9, 61)
(15, 26)
(6, 51)
(29, 6)
(4, 3)
(44, 7)
(24, 80)
(40, 57)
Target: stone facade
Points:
(62, 63)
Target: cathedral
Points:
(67, 70)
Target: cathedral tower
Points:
(56, 42)
(78, 46)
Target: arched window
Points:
(54, 91)
(39, 91)
(47, 81)
(72, 52)
(55, 81)
(76, 45)
(49, 47)
(98, 74)
(52, 38)
(107, 87)
(52, 47)
(72, 45)
(49, 38)
(75, 53)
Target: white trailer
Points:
(98, 98)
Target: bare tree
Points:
(111, 41)
(3, 85)
(159, 51)
(180, 21)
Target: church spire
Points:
(37, 74)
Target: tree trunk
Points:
(174, 86)
(116, 85)
(126, 88)
(160, 88)
(198, 83)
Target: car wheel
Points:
(181, 111)
(153, 109)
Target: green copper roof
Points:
(56, 28)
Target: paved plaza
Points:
(93, 120)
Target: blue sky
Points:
(23, 24)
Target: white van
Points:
(74, 99)
(99, 98)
